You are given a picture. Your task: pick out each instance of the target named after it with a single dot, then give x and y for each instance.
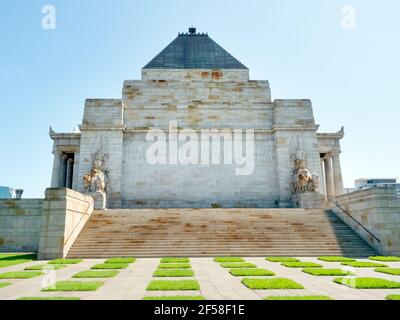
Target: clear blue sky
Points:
(352, 76)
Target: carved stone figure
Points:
(96, 180)
(87, 182)
(303, 180)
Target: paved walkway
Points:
(216, 283)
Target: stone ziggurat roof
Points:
(194, 51)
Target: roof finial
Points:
(192, 30)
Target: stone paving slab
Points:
(216, 283)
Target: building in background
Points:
(364, 183)
(6, 192)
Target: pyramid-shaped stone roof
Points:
(194, 51)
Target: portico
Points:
(331, 172)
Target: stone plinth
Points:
(99, 199)
(64, 213)
(309, 200)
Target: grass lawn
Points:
(274, 283)
(335, 259)
(173, 273)
(363, 264)
(281, 259)
(254, 272)
(326, 272)
(48, 298)
(367, 283)
(228, 259)
(96, 274)
(45, 267)
(110, 266)
(65, 261)
(298, 298)
(74, 286)
(4, 284)
(393, 297)
(301, 264)
(161, 285)
(174, 266)
(175, 260)
(385, 258)
(237, 265)
(392, 271)
(12, 259)
(20, 275)
(175, 298)
(120, 260)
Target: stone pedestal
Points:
(309, 200)
(99, 200)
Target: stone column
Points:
(322, 180)
(337, 174)
(63, 170)
(330, 186)
(55, 178)
(69, 174)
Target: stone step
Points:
(210, 232)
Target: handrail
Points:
(355, 220)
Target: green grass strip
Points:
(385, 258)
(74, 286)
(393, 297)
(163, 285)
(281, 259)
(173, 273)
(120, 260)
(4, 284)
(65, 261)
(273, 283)
(237, 265)
(392, 271)
(45, 267)
(335, 259)
(175, 260)
(327, 272)
(165, 298)
(110, 266)
(174, 266)
(20, 275)
(96, 274)
(12, 259)
(48, 298)
(367, 283)
(363, 264)
(301, 265)
(228, 259)
(252, 272)
(298, 298)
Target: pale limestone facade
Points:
(197, 98)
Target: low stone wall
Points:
(378, 210)
(20, 225)
(64, 214)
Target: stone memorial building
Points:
(196, 84)
(196, 159)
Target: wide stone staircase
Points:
(216, 232)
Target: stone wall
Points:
(378, 210)
(196, 74)
(64, 214)
(197, 99)
(20, 225)
(180, 185)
